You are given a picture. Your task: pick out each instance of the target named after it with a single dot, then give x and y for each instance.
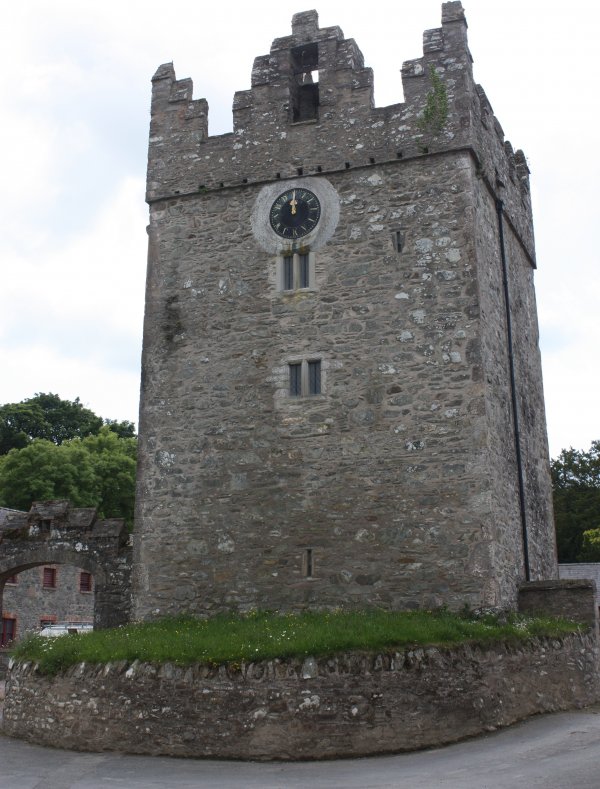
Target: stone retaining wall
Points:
(349, 705)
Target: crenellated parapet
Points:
(310, 110)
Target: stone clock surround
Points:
(318, 237)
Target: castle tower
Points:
(341, 398)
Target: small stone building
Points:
(44, 595)
(341, 398)
(62, 564)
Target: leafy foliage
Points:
(96, 471)
(45, 416)
(49, 417)
(123, 429)
(590, 547)
(576, 492)
(265, 636)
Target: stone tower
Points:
(341, 398)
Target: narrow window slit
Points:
(295, 379)
(288, 272)
(308, 563)
(314, 377)
(303, 270)
(397, 240)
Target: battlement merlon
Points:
(177, 122)
(310, 108)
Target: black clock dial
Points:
(295, 213)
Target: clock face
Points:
(295, 213)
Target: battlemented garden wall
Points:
(350, 705)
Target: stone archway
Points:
(53, 532)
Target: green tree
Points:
(96, 471)
(45, 416)
(43, 470)
(576, 493)
(20, 423)
(590, 551)
(50, 417)
(122, 429)
(114, 460)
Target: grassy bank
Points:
(262, 636)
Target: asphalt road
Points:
(560, 751)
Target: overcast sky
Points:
(75, 96)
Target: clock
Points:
(295, 213)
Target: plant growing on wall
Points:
(435, 113)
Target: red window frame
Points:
(49, 578)
(85, 582)
(8, 632)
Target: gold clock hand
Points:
(293, 202)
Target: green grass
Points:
(263, 636)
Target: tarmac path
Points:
(560, 751)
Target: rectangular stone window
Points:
(303, 271)
(49, 578)
(314, 377)
(296, 379)
(296, 271)
(85, 582)
(305, 378)
(288, 272)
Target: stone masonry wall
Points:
(572, 598)
(494, 369)
(350, 705)
(582, 570)
(399, 479)
(30, 602)
(387, 463)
